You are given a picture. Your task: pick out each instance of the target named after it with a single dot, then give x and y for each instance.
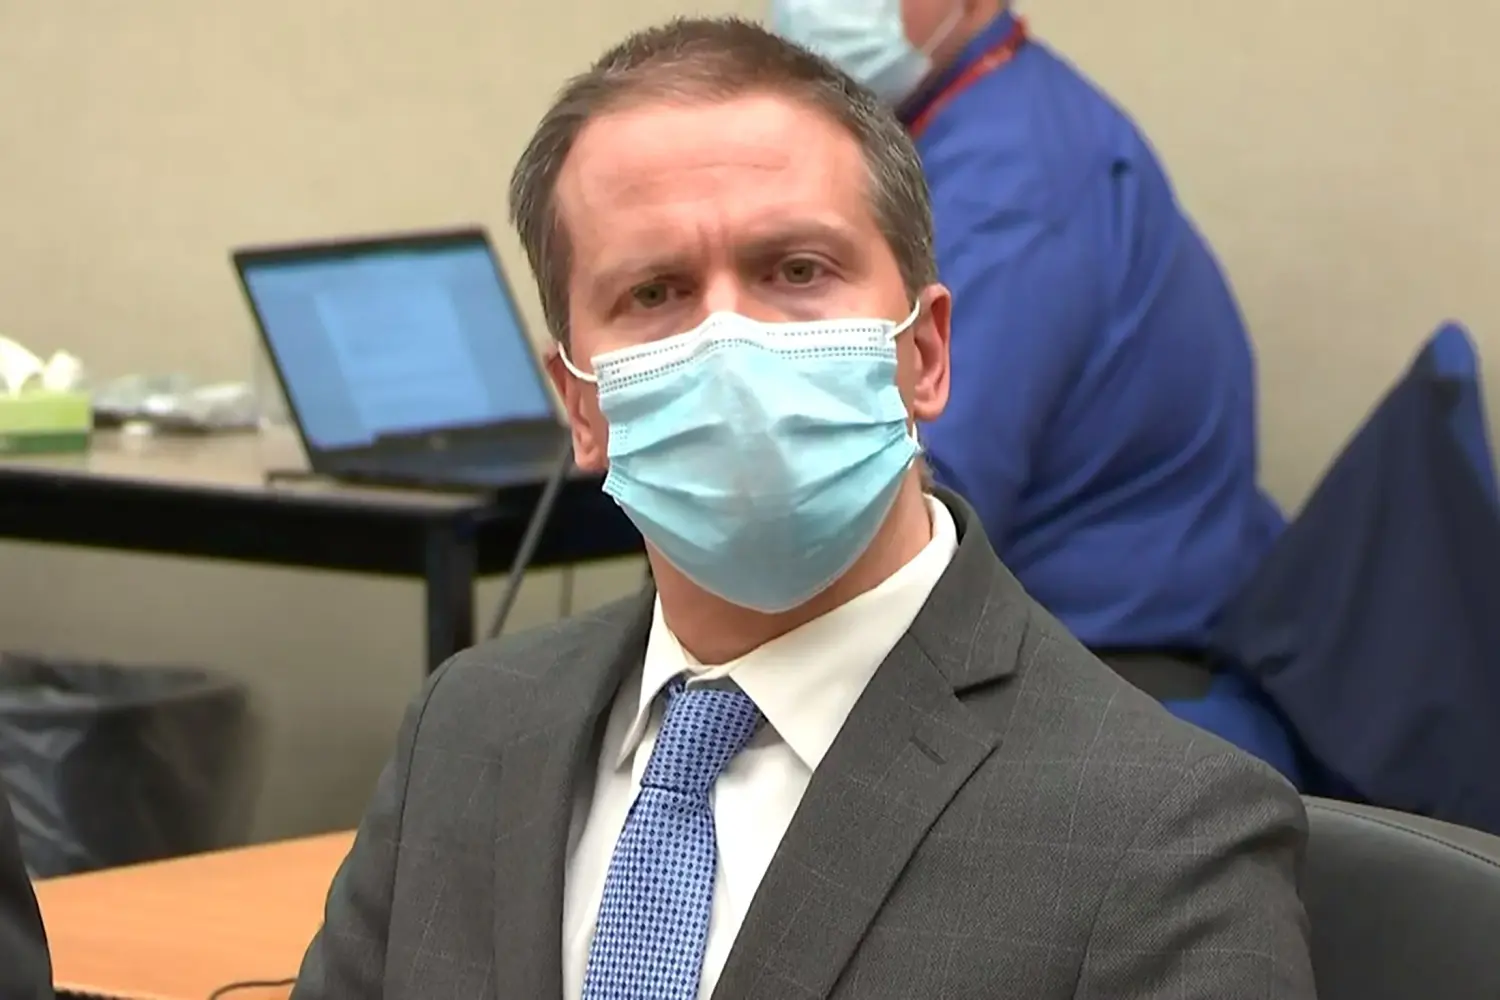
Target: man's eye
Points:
(651, 296)
(801, 271)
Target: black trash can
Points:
(110, 765)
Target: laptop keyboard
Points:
(479, 456)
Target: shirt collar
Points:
(992, 35)
(806, 682)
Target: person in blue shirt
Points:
(1102, 411)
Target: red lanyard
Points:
(986, 64)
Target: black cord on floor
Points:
(250, 984)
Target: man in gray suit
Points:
(838, 752)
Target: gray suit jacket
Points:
(1001, 816)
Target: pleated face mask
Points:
(865, 38)
(759, 458)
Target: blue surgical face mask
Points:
(759, 458)
(865, 38)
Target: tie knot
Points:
(703, 730)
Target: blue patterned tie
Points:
(653, 920)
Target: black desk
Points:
(206, 497)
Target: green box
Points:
(42, 422)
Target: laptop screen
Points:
(400, 338)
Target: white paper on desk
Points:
(21, 370)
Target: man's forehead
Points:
(661, 154)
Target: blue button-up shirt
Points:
(1102, 411)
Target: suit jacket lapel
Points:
(904, 752)
(540, 771)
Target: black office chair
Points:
(1401, 907)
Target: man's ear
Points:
(580, 401)
(929, 337)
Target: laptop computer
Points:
(405, 361)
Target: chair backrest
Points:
(1373, 622)
(1450, 355)
(1401, 907)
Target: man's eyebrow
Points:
(627, 271)
(785, 235)
(755, 245)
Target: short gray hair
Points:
(716, 59)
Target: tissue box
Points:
(40, 421)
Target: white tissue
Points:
(18, 366)
(21, 370)
(62, 373)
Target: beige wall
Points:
(1350, 197)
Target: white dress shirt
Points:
(805, 683)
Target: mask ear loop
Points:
(906, 324)
(582, 376)
(896, 331)
(943, 30)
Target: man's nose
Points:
(729, 292)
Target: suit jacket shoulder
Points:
(454, 884)
(555, 674)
